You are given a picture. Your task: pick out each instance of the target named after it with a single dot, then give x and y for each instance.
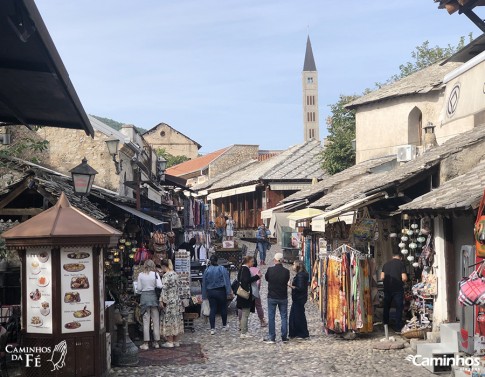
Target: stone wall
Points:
(175, 143)
(237, 154)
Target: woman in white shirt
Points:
(230, 228)
(148, 279)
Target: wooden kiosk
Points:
(63, 324)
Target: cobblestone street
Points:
(228, 355)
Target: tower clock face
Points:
(309, 80)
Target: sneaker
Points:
(224, 328)
(213, 332)
(268, 341)
(144, 346)
(244, 336)
(167, 345)
(156, 345)
(176, 344)
(285, 340)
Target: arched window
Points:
(415, 127)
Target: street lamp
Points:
(161, 166)
(113, 145)
(83, 178)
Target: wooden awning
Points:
(465, 7)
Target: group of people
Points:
(224, 227)
(216, 288)
(164, 312)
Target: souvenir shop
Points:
(345, 280)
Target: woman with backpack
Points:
(216, 288)
(148, 280)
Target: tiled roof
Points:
(371, 183)
(461, 193)
(423, 81)
(332, 181)
(223, 175)
(300, 162)
(199, 163)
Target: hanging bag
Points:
(241, 292)
(430, 281)
(479, 230)
(472, 288)
(364, 228)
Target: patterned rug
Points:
(190, 353)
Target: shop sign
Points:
(455, 361)
(30, 357)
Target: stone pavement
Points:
(322, 355)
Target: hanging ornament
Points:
(393, 235)
(410, 258)
(421, 239)
(414, 226)
(132, 255)
(404, 238)
(404, 230)
(404, 251)
(416, 231)
(415, 264)
(409, 232)
(402, 245)
(116, 260)
(413, 245)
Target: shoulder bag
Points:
(240, 291)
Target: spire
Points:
(309, 64)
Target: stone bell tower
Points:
(311, 125)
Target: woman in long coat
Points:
(171, 319)
(298, 327)
(246, 305)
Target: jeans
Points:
(283, 308)
(153, 313)
(244, 320)
(398, 299)
(218, 302)
(262, 247)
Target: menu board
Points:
(38, 290)
(182, 268)
(77, 289)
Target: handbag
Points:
(430, 281)
(479, 230)
(242, 293)
(472, 289)
(205, 309)
(364, 228)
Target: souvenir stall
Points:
(346, 294)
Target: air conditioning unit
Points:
(406, 153)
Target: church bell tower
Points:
(311, 126)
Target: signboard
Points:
(38, 290)
(77, 294)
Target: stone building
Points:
(173, 141)
(309, 78)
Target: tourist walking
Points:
(394, 275)
(147, 280)
(298, 327)
(256, 287)
(262, 243)
(171, 322)
(246, 305)
(277, 278)
(216, 288)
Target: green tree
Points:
(171, 159)
(338, 153)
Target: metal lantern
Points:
(402, 245)
(404, 251)
(410, 258)
(415, 264)
(413, 245)
(404, 238)
(83, 178)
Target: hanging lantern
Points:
(413, 245)
(132, 255)
(393, 235)
(128, 243)
(121, 247)
(402, 245)
(416, 231)
(421, 239)
(414, 226)
(404, 238)
(122, 240)
(116, 260)
(404, 251)
(404, 230)
(410, 232)
(415, 264)
(410, 258)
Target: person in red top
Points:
(394, 275)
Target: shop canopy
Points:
(268, 213)
(35, 88)
(305, 213)
(139, 214)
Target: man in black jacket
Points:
(277, 278)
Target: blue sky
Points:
(229, 71)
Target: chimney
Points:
(429, 136)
